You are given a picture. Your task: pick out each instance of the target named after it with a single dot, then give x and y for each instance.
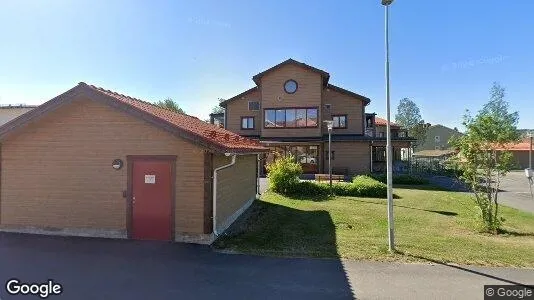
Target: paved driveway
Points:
(516, 192)
(123, 269)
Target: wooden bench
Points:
(326, 177)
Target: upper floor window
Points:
(291, 86)
(340, 121)
(247, 122)
(253, 105)
(437, 139)
(291, 118)
(381, 134)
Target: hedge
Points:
(401, 179)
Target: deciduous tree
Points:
(170, 105)
(481, 159)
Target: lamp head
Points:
(387, 2)
(329, 124)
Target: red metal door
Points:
(151, 200)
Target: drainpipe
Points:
(214, 198)
(258, 176)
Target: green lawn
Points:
(430, 225)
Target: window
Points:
(291, 118)
(437, 148)
(379, 154)
(291, 86)
(247, 122)
(402, 134)
(437, 138)
(380, 134)
(253, 105)
(280, 118)
(340, 121)
(311, 118)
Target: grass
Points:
(430, 225)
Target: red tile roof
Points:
(213, 134)
(383, 122)
(524, 145)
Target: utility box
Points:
(529, 172)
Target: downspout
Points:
(214, 198)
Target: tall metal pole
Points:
(391, 229)
(530, 153)
(330, 157)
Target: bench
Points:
(326, 177)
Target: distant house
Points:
(10, 112)
(520, 152)
(437, 138)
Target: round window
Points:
(290, 86)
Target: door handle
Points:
(133, 199)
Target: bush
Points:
(401, 179)
(365, 186)
(284, 175)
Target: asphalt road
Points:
(123, 269)
(516, 192)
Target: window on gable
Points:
(253, 105)
(247, 122)
(340, 121)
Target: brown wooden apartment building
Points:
(285, 111)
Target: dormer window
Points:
(291, 86)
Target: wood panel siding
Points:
(57, 171)
(236, 185)
(308, 94)
(341, 104)
(354, 156)
(239, 108)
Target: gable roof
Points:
(349, 93)
(291, 61)
(384, 122)
(181, 125)
(225, 102)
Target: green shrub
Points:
(311, 188)
(366, 186)
(284, 175)
(401, 179)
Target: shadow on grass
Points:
(441, 212)
(423, 187)
(514, 233)
(277, 230)
(466, 269)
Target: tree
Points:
(409, 117)
(170, 105)
(217, 109)
(480, 161)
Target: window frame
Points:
(285, 109)
(259, 106)
(338, 116)
(253, 123)
(437, 139)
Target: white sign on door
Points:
(150, 179)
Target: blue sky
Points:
(444, 54)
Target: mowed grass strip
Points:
(430, 226)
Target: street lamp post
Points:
(389, 158)
(531, 135)
(330, 126)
